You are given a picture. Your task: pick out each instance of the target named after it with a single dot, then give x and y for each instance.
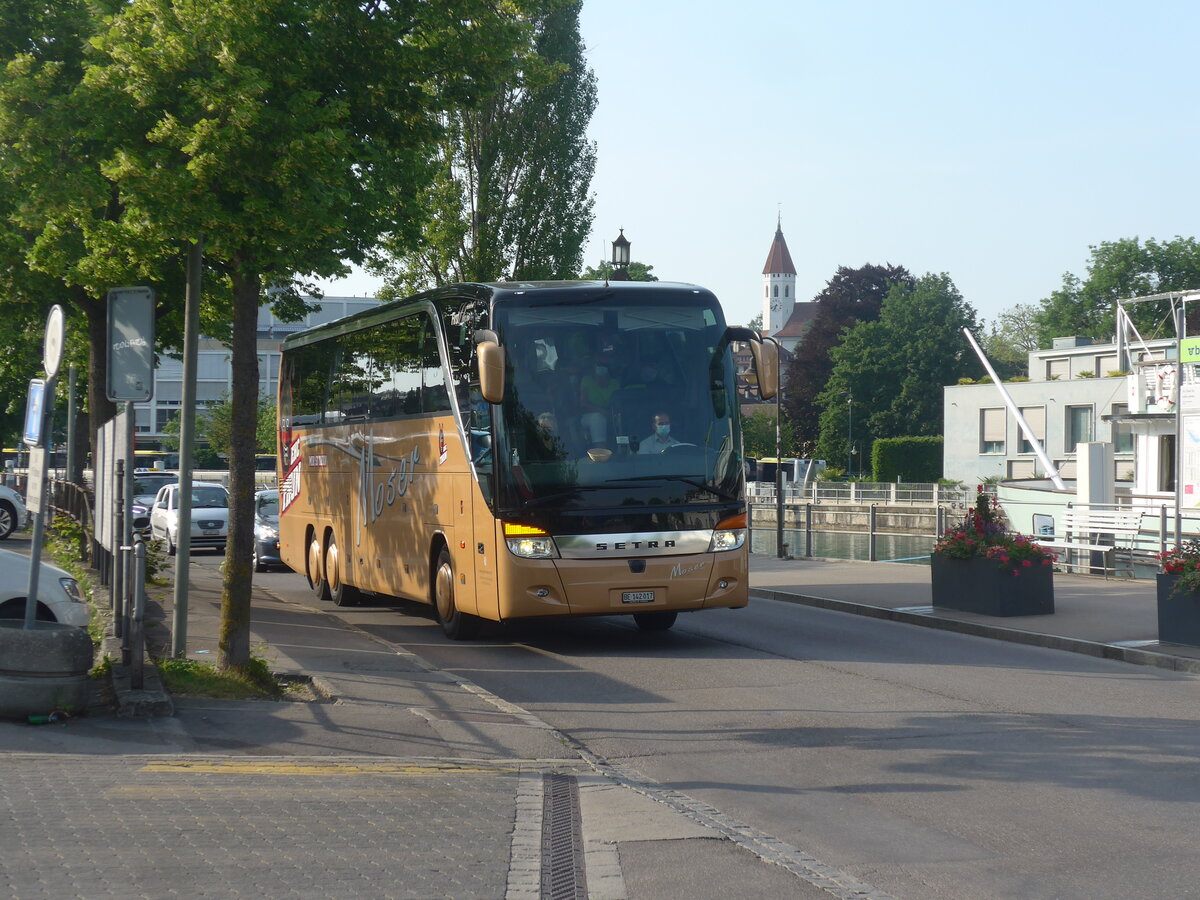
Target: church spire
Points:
(779, 283)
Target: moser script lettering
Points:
(679, 570)
(378, 490)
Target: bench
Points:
(1101, 537)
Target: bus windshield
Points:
(614, 404)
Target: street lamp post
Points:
(849, 433)
(780, 546)
(620, 257)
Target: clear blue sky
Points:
(994, 142)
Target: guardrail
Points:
(890, 493)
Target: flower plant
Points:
(1184, 561)
(984, 533)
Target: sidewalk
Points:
(1109, 618)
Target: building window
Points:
(991, 431)
(785, 290)
(1166, 462)
(776, 290)
(1079, 428)
(1105, 364)
(1021, 468)
(1122, 432)
(1058, 369)
(1035, 416)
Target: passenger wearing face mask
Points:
(661, 439)
(595, 397)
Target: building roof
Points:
(799, 321)
(779, 261)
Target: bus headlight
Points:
(730, 534)
(529, 542)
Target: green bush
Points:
(907, 458)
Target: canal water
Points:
(905, 548)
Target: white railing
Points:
(885, 493)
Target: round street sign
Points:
(52, 350)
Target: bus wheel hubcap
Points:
(314, 562)
(445, 592)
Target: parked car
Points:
(60, 599)
(146, 485)
(266, 530)
(210, 516)
(13, 514)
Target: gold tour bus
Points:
(504, 451)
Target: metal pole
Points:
(808, 529)
(1162, 530)
(137, 641)
(118, 558)
(1179, 326)
(871, 539)
(72, 456)
(187, 428)
(849, 433)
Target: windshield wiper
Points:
(720, 494)
(560, 495)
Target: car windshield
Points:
(268, 506)
(144, 485)
(210, 497)
(633, 401)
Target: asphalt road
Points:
(925, 763)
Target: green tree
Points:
(1117, 270)
(1010, 338)
(604, 271)
(758, 434)
(889, 374)
(849, 297)
(214, 426)
(510, 199)
(291, 135)
(756, 322)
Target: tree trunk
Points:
(234, 642)
(100, 408)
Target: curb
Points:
(1162, 659)
(149, 701)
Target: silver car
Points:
(60, 599)
(12, 511)
(210, 516)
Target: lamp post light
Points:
(620, 257)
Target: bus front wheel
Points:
(459, 626)
(316, 568)
(654, 621)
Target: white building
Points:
(214, 371)
(1073, 397)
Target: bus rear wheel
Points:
(655, 621)
(316, 568)
(340, 593)
(459, 626)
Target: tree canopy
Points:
(510, 193)
(851, 296)
(603, 271)
(291, 134)
(1117, 270)
(888, 374)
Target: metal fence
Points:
(895, 494)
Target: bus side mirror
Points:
(766, 364)
(491, 371)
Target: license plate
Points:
(211, 531)
(637, 596)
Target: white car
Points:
(60, 599)
(210, 516)
(12, 512)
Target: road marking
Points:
(286, 767)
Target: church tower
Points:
(779, 284)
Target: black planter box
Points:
(1178, 614)
(983, 586)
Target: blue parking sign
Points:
(33, 412)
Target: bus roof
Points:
(495, 292)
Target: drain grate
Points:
(563, 876)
